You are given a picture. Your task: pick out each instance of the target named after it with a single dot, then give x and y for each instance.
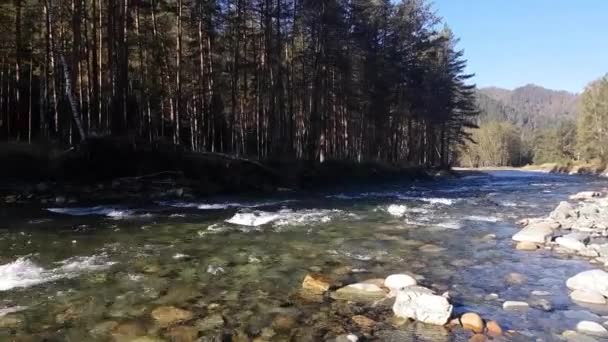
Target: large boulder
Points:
(421, 304)
(539, 232)
(591, 328)
(590, 281)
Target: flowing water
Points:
(63, 271)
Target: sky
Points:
(557, 44)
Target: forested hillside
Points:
(528, 107)
(532, 124)
(302, 79)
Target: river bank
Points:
(127, 171)
(571, 168)
(239, 268)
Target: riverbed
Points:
(85, 271)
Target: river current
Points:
(67, 271)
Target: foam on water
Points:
(224, 205)
(397, 209)
(480, 218)
(449, 225)
(23, 272)
(284, 217)
(112, 212)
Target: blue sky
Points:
(558, 44)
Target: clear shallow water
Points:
(65, 270)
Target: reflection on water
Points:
(235, 263)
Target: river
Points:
(66, 273)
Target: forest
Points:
(533, 125)
(354, 80)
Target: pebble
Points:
(514, 278)
(168, 315)
(591, 328)
(316, 283)
(493, 329)
(363, 322)
(514, 305)
(472, 321)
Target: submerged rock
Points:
(182, 334)
(493, 329)
(359, 292)
(395, 282)
(212, 322)
(316, 283)
(590, 281)
(419, 303)
(591, 328)
(168, 315)
(515, 305)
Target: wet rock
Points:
(585, 195)
(573, 336)
(563, 211)
(591, 328)
(346, 338)
(168, 315)
(542, 304)
(10, 199)
(10, 321)
(128, 329)
(363, 322)
(60, 199)
(540, 232)
(478, 338)
(472, 321)
(395, 282)
(590, 281)
(182, 334)
(493, 329)
(103, 329)
(147, 339)
(527, 246)
(431, 249)
(316, 283)
(215, 321)
(179, 294)
(515, 305)
(284, 323)
(587, 297)
(573, 241)
(359, 292)
(514, 278)
(419, 303)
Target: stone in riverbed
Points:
(591, 328)
(590, 281)
(587, 297)
(515, 305)
(316, 283)
(359, 292)
(472, 321)
(395, 282)
(182, 334)
(493, 329)
(363, 322)
(168, 315)
(128, 329)
(212, 322)
(10, 321)
(539, 232)
(419, 303)
(563, 211)
(527, 246)
(585, 195)
(573, 241)
(515, 278)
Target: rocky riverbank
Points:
(578, 227)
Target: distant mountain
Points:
(530, 106)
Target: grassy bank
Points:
(111, 169)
